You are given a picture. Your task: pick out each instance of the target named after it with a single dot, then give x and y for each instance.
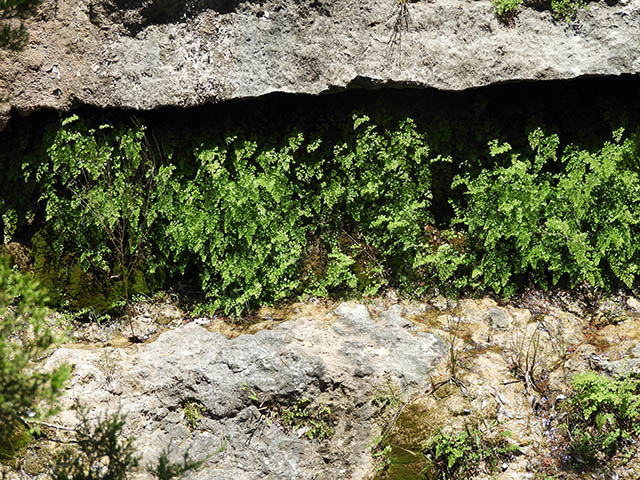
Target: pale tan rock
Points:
(633, 303)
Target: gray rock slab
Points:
(146, 55)
(340, 363)
(633, 303)
(499, 317)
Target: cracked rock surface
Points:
(146, 54)
(395, 368)
(342, 361)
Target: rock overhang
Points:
(144, 55)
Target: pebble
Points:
(439, 302)
(499, 317)
(633, 303)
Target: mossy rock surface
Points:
(70, 286)
(14, 438)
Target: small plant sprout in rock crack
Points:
(307, 421)
(387, 400)
(523, 357)
(381, 453)
(453, 359)
(566, 9)
(507, 11)
(192, 412)
(300, 415)
(466, 453)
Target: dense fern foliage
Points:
(256, 220)
(256, 214)
(602, 417)
(550, 216)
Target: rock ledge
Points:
(108, 53)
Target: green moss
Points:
(313, 423)
(398, 450)
(14, 438)
(192, 412)
(70, 286)
(300, 415)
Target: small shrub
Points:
(462, 455)
(25, 392)
(165, 469)
(102, 452)
(603, 416)
(507, 10)
(566, 9)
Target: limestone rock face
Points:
(343, 363)
(145, 54)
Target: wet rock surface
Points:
(154, 53)
(508, 369)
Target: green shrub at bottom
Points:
(26, 393)
(603, 417)
(463, 454)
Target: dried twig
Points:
(401, 22)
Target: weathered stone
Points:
(145, 55)
(394, 311)
(367, 367)
(499, 317)
(439, 302)
(394, 315)
(633, 303)
(624, 367)
(341, 365)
